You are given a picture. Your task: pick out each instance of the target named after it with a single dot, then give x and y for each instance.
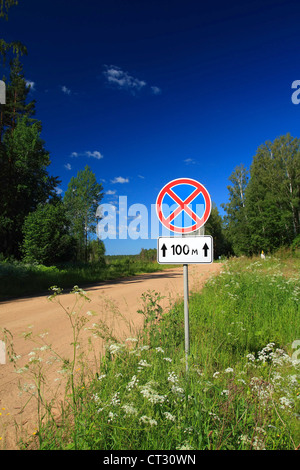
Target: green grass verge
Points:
(242, 388)
(20, 279)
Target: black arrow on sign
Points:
(205, 248)
(164, 249)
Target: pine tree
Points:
(16, 99)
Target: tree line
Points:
(39, 225)
(263, 211)
(36, 223)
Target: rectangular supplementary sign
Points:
(187, 250)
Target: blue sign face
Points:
(183, 219)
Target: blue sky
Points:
(148, 91)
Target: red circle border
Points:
(205, 194)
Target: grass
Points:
(20, 279)
(242, 388)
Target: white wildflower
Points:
(144, 348)
(115, 399)
(172, 377)
(132, 383)
(101, 377)
(145, 419)
(144, 363)
(169, 416)
(185, 446)
(251, 357)
(129, 409)
(111, 416)
(286, 402)
(177, 390)
(114, 348)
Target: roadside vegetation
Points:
(18, 278)
(242, 387)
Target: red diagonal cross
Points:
(183, 205)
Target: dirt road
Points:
(116, 303)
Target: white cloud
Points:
(117, 77)
(122, 80)
(190, 161)
(58, 191)
(110, 192)
(68, 166)
(141, 176)
(30, 84)
(120, 179)
(155, 90)
(65, 90)
(95, 154)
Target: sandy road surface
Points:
(39, 315)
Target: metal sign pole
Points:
(200, 232)
(188, 252)
(186, 315)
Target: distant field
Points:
(241, 392)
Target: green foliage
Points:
(46, 237)
(16, 105)
(214, 227)
(24, 181)
(273, 194)
(241, 390)
(16, 47)
(19, 278)
(96, 251)
(149, 255)
(5, 5)
(264, 212)
(236, 224)
(81, 201)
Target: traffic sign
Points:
(182, 192)
(188, 250)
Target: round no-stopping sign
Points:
(191, 189)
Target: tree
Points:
(16, 100)
(96, 252)
(24, 181)
(5, 5)
(16, 47)
(273, 194)
(46, 235)
(214, 227)
(236, 219)
(81, 200)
